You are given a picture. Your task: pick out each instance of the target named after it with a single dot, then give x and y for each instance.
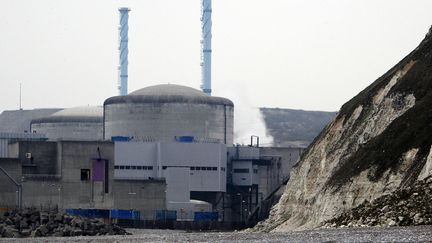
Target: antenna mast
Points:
(20, 107)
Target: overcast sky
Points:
(303, 54)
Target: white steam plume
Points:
(248, 120)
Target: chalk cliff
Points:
(380, 141)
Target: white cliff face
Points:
(307, 201)
(379, 142)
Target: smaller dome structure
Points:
(78, 123)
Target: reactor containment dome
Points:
(167, 112)
(78, 124)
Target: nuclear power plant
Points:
(160, 153)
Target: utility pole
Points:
(20, 107)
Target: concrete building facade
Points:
(72, 174)
(186, 167)
(255, 174)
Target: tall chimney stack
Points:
(124, 51)
(206, 34)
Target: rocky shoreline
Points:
(34, 223)
(408, 206)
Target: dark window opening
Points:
(133, 167)
(214, 168)
(106, 185)
(198, 168)
(241, 170)
(192, 168)
(255, 171)
(139, 167)
(203, 168)
(150, 167)
(121, 167)
(85, 174)
(116, 167)
(127, 167)
(164, 167)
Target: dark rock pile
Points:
(408, 206)
(33, 223)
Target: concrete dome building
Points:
(78, 123)
(166, 112)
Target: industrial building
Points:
(145, 176)
(73, 174)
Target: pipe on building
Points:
(257, 141)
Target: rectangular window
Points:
(255, 171)
(164, 167)
(133, 167)
(127, 167)
(116, 167)
(198, 168)
(139, 167)
(241, 170)
(85, 174)
(203, 168)
(192, 168)
(222, 168)
(121, 167)
(214, 168)
(209, 168)
(150, 167)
